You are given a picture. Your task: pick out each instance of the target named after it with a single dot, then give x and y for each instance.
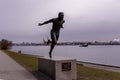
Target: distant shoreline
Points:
(65, 44)
(68, 43)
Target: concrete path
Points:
(10, 70)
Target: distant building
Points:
(116, 40)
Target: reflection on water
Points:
(109, 55)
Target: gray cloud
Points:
(88, 20)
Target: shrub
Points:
(5, 44)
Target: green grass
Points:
(87, 73)
(83, 73)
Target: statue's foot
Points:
(50, 55)
(49, 42)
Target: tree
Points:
(5, 44)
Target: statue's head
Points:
(60, 15)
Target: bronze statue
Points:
(57, 24)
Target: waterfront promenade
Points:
(10, 70)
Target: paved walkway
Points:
(10, 70)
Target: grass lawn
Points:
(83, 73)
(87, 73)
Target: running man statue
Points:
(57, 24)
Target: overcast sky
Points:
(85, 20)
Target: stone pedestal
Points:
(58, 68)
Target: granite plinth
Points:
(58, 68)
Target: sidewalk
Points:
(10, 70)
